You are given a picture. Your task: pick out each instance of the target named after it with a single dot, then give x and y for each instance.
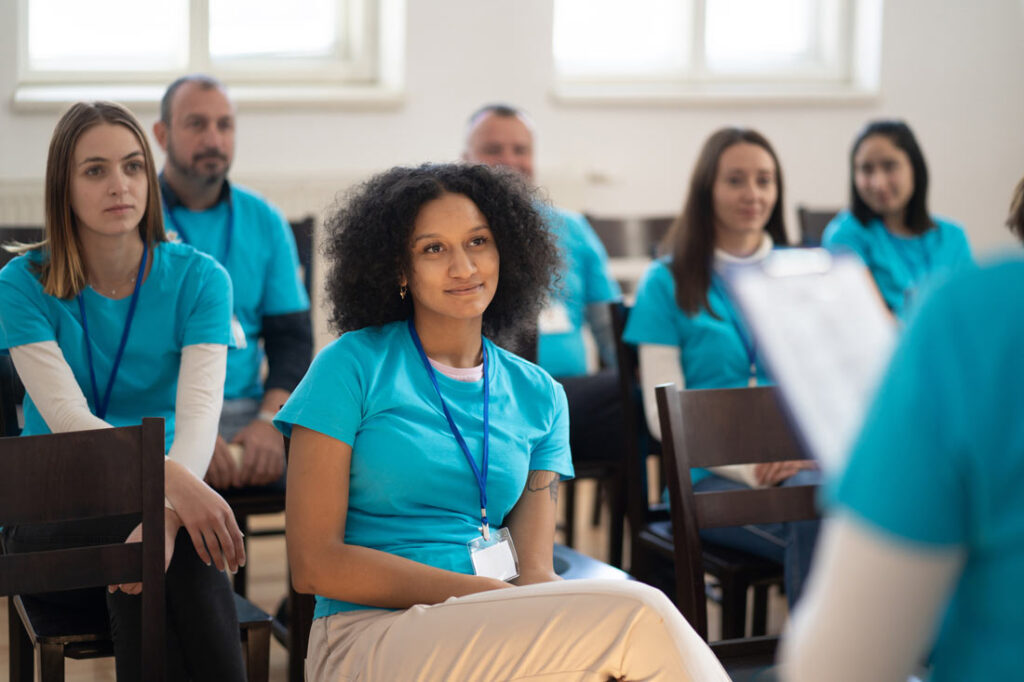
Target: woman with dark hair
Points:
(425, 459)
(888, 224)
(106, 323)
(689, 333)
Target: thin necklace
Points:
(113, 290)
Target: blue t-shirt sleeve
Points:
(908, 469)
(329, 399)
(23, 309)
(285, 291)
(653, 318)
(209, 320)
(601, 288)
(552, 453)
(845, 233)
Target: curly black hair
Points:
(368, 245)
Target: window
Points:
(715, 48)
(121, 45)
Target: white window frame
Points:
(852, 75)
(368, 71)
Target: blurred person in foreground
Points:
(925, 547)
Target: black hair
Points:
(916, 214)
(368, 245)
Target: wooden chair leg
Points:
(299, 620)
(595, 510)
(759, 617)
(256, 648)
(50, 662)
(570, 512)
(21, 665)
(240, 578)
(734, 607)
(617, 507)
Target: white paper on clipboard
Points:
(822, 329)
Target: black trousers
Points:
(203, 642)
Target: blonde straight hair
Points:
(62, 271)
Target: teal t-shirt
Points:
(584, 280)
(901, 266)
(264, 268)
(411, 490)
(712, 352)
(940, 462)
(185, 300)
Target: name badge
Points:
(238, 333)
(554, 319)
(494, 557)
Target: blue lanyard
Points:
(101, 406)
(481, 475)
(184, 237)
(749, 344)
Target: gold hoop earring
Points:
(402, 290)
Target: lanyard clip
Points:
(485, 528)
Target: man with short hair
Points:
(501, 135)
(252, 240)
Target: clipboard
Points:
(826, 337)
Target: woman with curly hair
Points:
(425, 459)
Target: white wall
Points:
(951, 68)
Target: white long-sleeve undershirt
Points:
(871, 606)
(51, 384)
(661, 364)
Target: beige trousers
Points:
(579, 630)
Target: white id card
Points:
(496, 557)
(238, 333)
(554, 319)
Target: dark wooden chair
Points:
(87, 635)
(653, 546)
(24, 234)
(71, 476)
(705, 428)
(813, 223)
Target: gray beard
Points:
(194, 176)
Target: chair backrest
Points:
(813, 223)
(630, 237)
(12, 394)
(706, 428)
(84, 475)
(25, 234)
(304, 231)
(639, 443)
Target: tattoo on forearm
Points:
(539, 480)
